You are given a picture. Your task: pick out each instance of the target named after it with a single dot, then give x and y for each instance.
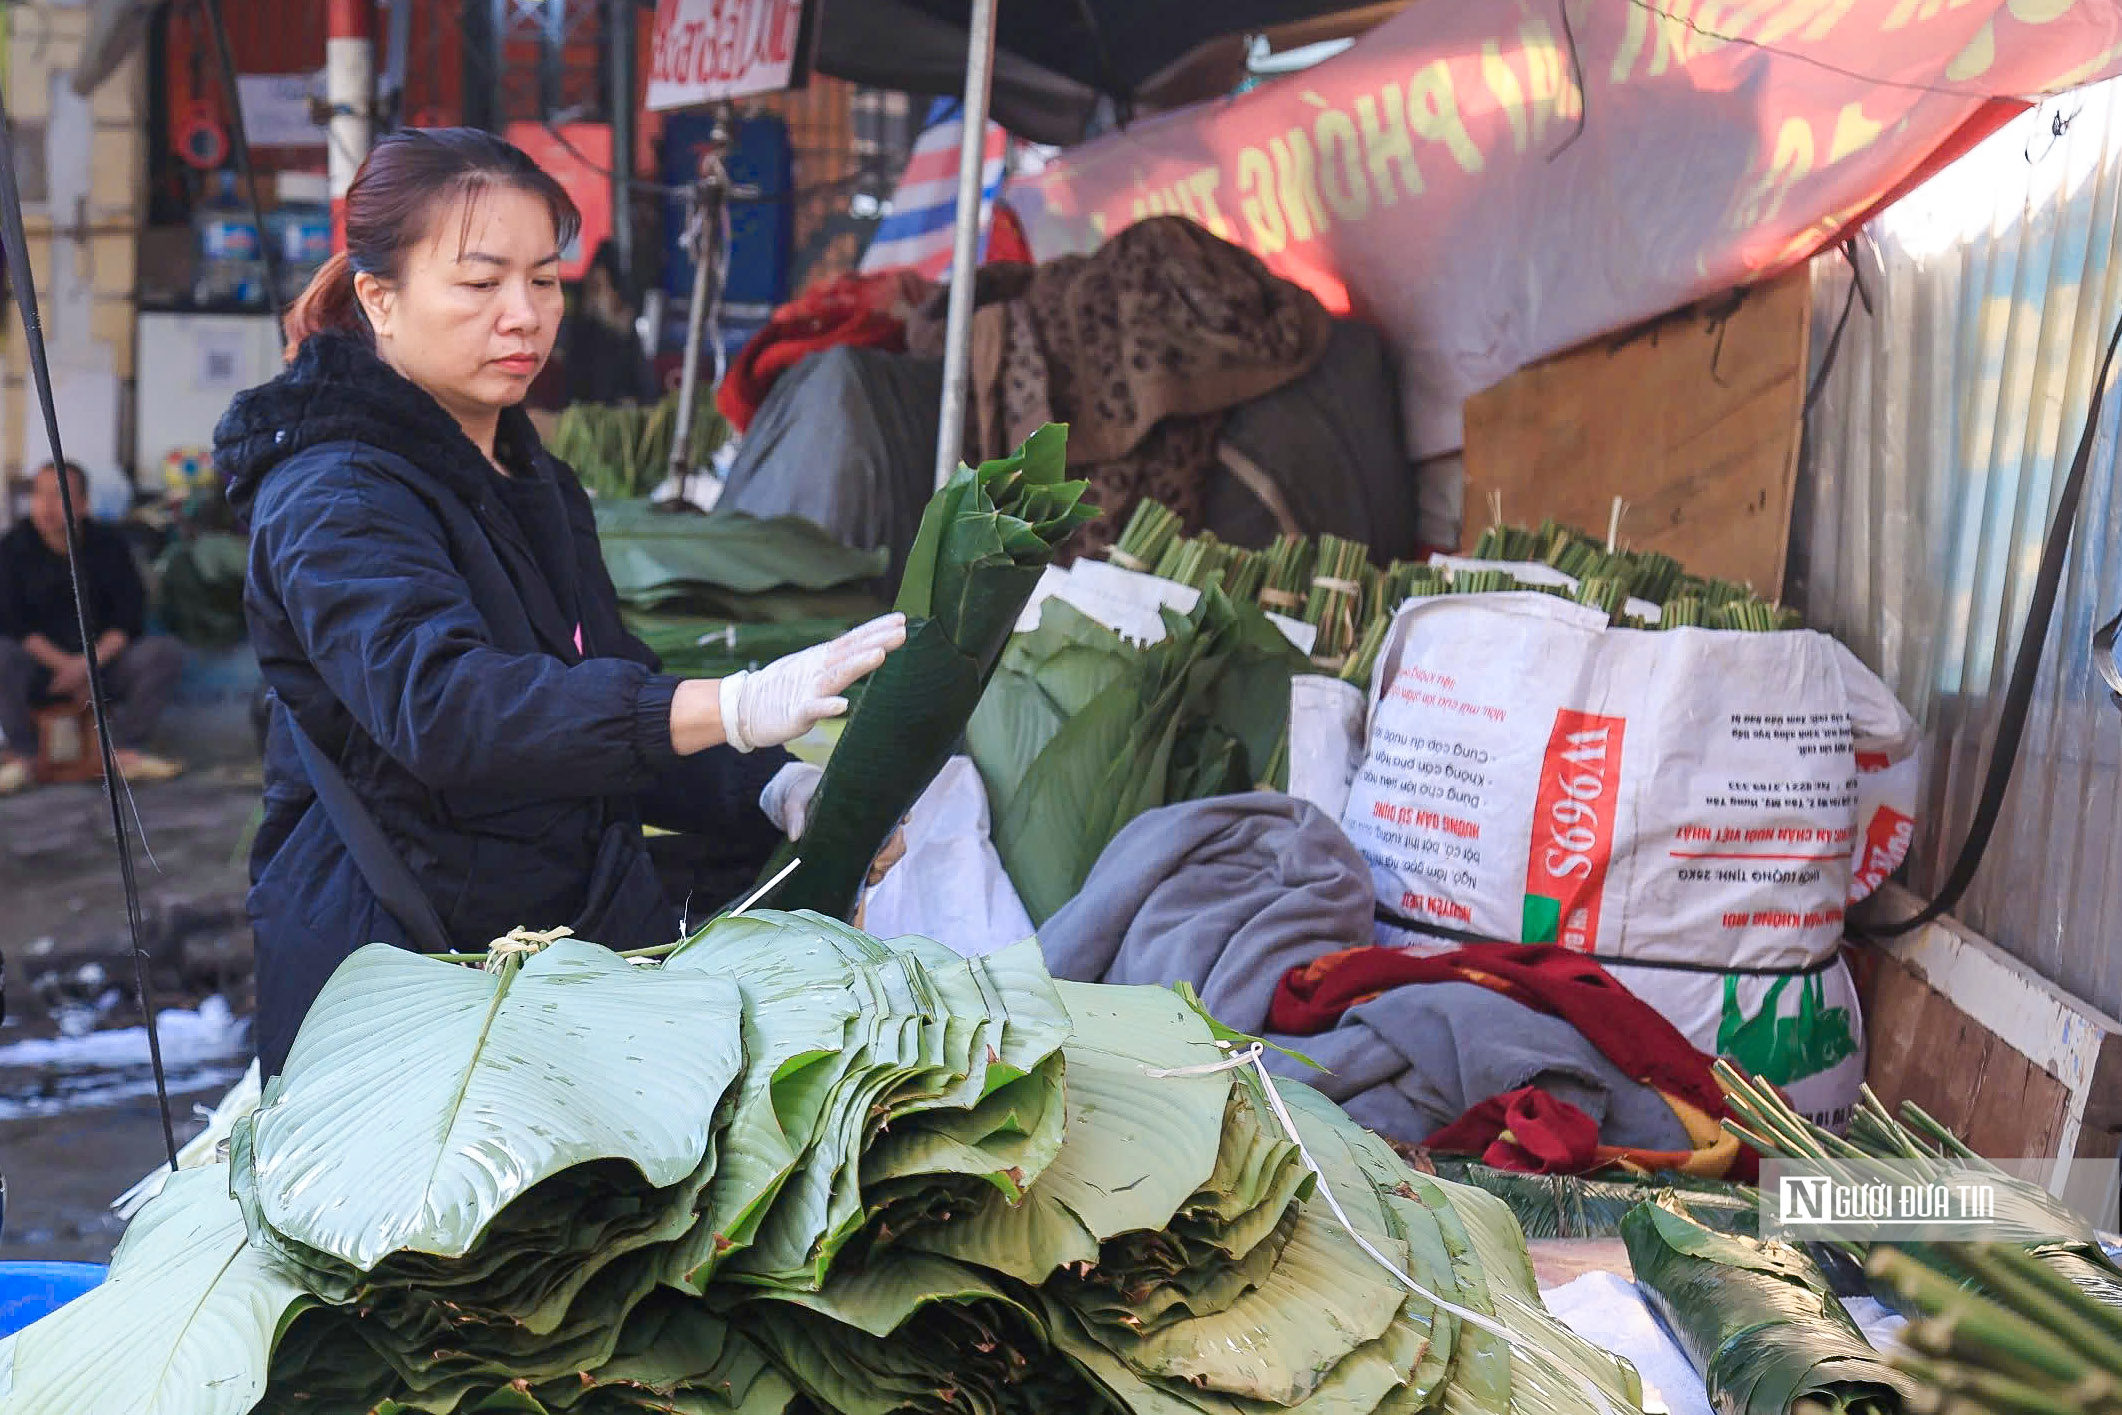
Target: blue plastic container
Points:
(32, 1290)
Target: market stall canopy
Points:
(1054, 61)
(1493, 183)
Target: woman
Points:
(464, 737)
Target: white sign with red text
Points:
(707, 50)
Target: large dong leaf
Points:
(651, 553)
(983, 541)
(1137, 1145)
(185, 1325)
(1045, 677)
(421, 1097)
(1196, 714)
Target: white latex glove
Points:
(786, 799)
(781, 702)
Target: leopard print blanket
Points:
(1140, 348)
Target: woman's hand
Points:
(782, 701)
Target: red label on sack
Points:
(1573, 829)
(1886, 844)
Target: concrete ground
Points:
(73, 1136)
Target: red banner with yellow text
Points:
(1492, 183)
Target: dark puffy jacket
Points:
(425, 637)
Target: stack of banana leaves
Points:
(1882, 1146)
(984, 541)
(789, 1168)
(718, 593)
(1082, 731)
(1757, 1319)
(622, 450)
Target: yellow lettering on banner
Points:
(1297, 181)
(1203, 185)
(2038, 12)
(1503, 84)
(1792, 160)
(1386, 143)
(1139, 211)
(1831, 16)
(1633, 33)
(1853, 132)
(1548, 79)
(1099, 223)
(1787, 19)
(1347, 189)
(1256, 201)
(1433, 112)
(1179, 201)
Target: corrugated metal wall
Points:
(1933, 456)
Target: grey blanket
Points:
(1412, 1060)
(1230, 893)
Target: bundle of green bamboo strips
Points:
(1288, 574)
(2065, 1246)
(2028, 1343)
(1335, 602)
(1149, 533)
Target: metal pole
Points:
(711, 190)
(972, 157)
(350, 93)
(624, 83)
(681, 447)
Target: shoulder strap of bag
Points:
(387, 875)
(2026, 666)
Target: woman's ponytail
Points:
(326, 304)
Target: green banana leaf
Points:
(620, 450)
(1045, 677)
(200, 596)
(657, 555)
(488, 1072)
(1195, 715)
(186, 1321)
(1757, 1319)
(697, 646)
(983, 541)
(1136, 1148)
(1573, 1206)
(923, 1183)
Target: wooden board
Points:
(2019, 1067)
(1694, 422)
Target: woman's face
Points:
(472, 317)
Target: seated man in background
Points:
(41, 658)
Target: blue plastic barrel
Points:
(32, 1290)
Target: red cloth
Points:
(1005, 238)
(1526, 1130)
(861, 311)
(1627, 1030)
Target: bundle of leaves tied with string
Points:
(1757, 1319)
(785, 1168)
(983, 542)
